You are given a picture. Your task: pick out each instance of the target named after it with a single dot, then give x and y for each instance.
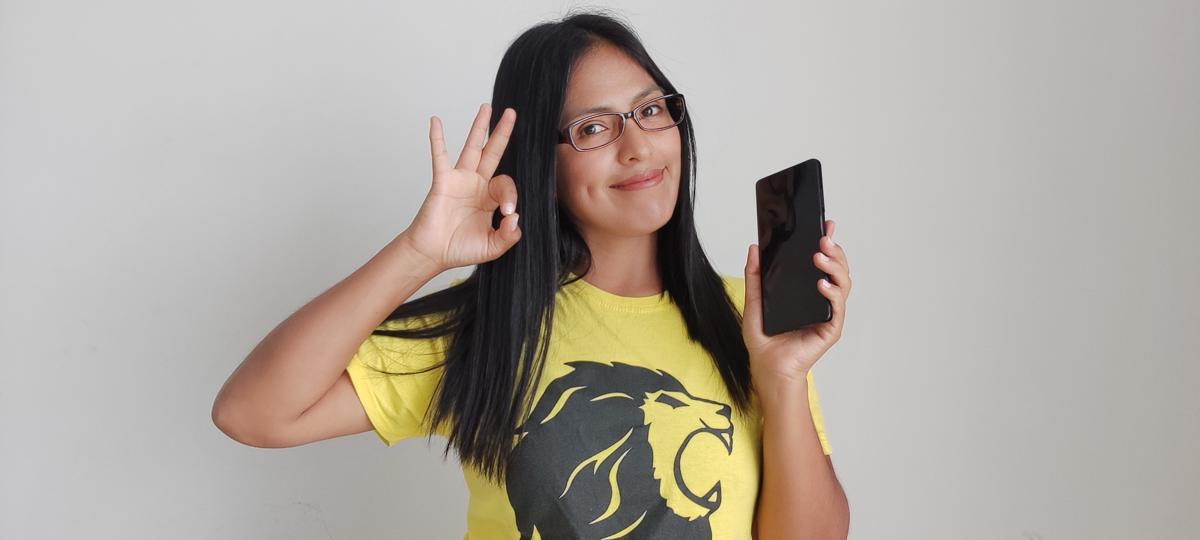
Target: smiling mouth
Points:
(643, 183)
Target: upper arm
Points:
(386, 387)
(754, 521)
(337, 413)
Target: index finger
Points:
(496, 144)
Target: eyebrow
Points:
(602, 108)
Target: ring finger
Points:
(838, 273)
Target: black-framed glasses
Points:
(599, 130)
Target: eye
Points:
(668, 400)
(586, 130)
(651, 110)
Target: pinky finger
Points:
(437, 146)
(836, 299)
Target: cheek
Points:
(674, 149)
(573, 184)
(578, 174)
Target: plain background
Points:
(1015, 184)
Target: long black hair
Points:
(501, 316)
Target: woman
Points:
(595, 375)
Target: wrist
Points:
(782, 393)
(411, 260)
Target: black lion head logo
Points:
(602, 456)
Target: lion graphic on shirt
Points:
(603, 456)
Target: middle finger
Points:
(469, 158)
(494, 148)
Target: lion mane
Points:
(601, 456)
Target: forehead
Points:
(606, 77)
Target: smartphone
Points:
(791, 222)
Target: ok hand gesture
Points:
(454, 224)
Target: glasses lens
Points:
(661, 113)
(596, 131)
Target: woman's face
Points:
(605, 77)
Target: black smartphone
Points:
(791, 222)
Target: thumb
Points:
(505, 236)
(752, 312)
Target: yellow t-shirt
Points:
(632, 434)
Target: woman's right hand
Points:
(454, 224)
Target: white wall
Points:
(1015, 184)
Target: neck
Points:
(624, 265)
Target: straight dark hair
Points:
(494, 316)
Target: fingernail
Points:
(513, 227)
(508, 208)
(823, 257)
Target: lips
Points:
(642, 179)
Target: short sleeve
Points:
(396, 403)
(814, 407)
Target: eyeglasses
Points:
(600, 130)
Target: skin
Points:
(618, 226)
(800, 496)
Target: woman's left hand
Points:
(787, 357)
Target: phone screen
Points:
(791, 222)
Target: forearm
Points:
(297, 362)
(799, 496)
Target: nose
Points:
(635, 143)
